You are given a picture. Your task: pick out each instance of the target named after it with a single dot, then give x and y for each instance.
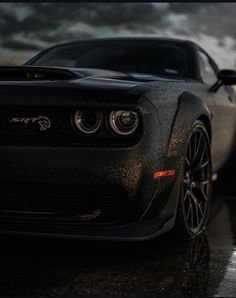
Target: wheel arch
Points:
(190, 108)
(206, 121)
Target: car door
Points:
(223, 112)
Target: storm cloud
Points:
(25, 29)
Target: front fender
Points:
(190, 108)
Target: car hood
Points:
(75, 77)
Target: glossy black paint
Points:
(168, 108)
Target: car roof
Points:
(131, 38)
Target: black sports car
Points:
(113, 139)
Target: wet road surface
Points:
(34, 267)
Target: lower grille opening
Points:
(79, 203)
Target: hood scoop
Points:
(32, 73)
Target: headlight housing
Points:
(124, 122)
(88, 122)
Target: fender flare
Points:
(190, 108)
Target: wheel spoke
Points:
(204, 164)
(192, 217)
(203, 195)
(203, 152)
(204, 182)
(194, 200)
(200, 184)
(189, 153)
(188, 213)
(196, 209)
(200, 209)
(186, 195)
(185, 180)
(197, 147)
(192, 196)
(200, 167)
(188, 163)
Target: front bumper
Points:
(156, 218)
(140, 230)
(129, 169)
(64, 171)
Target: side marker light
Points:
(167, 173)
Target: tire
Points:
(195, 186)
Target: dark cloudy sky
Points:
(25, 29)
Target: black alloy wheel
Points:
(196, 184)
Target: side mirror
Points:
(225, 77)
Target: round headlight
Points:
(124, 122)
(88, 122)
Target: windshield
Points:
(148, 57)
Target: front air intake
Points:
(32, 73)
(77, 202)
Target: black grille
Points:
(24, 125)
(100, 204)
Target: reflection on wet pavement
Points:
(106, 270)
(33, 267)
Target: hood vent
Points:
(25, 73)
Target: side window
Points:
(206, 69)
